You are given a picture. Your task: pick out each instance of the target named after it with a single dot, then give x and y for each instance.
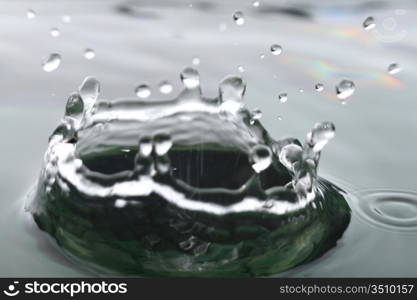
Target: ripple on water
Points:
(387, 209)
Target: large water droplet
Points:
(89, 53)
(322, 132)
(394, 68)
(369, 23)
(239, 18)
(75, 106)
(276, 49)
(190, 78)
(89, 91)
(143, 91)
(283, 97)
(162, 143)
(31, 14)
(55, 32)
(52, 62)
(165, 87)
(232, 88)
(345, 89)
(261, 158)
(319, 87)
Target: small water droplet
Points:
(301, 90)
(190, 78)
(256, 3)
(55, 32)
(283, 97)
(162, 143)
(143, 91)
(262, 56)
(165, 87)
(261, 158)
(89, 91)
(31, 14)
(279, 118)
(239, 18)
(120, 203)
(320, 135)
(276, 49)
(394, 68)
(319, 87)
(52, 62)
(89, 53)
(345, 89)
(369, 23)
(241, 69)
(66, 19)
(290, 154)
(145, 146)
(196, 61)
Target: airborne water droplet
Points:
(143, 91)
(55, 32)
(255, 3)
(66, 19)
(369, 23)
(89, 91)
(345, 89)
(283, 97)
(165, 87)
(322, 132)
(196, 61)
(319, 87)
(238, 18)
(276, 49)
(89, 53)
(162, 143)
(31, 14)
(241, 69)
(52, 62)
(394, 68)
(261, 158)
(190, 78)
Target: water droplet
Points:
(66, 19)
(31, 14)
(320, 135)
(52, 62)
(55, 32)
(143, 91)
(75, 106)
(165, 87)
(89, 53)
(345, 89)
(238, 18)
(283, 97)
(290, 154)
(261, 158)
(276, 49)
(196, 61)
(145, 146)
(256, 3)
(190, 78)
(162, 143)
(120, 203)
(89, 91)
(301, 90)
(369, 23)
(232, 88)
(394, 68)
(241, 69)
(262, 56)
(319, 87)
(256, 114)
(279, 118)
